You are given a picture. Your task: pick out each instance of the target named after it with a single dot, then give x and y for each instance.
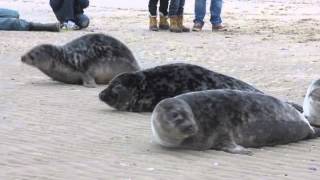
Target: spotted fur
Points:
(90, 59)
(142, 90)
(228, 120)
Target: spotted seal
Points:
(311, 103)
(140, 91)
(90, 59)
(227, 120)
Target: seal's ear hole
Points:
(117, 87)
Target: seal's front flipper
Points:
(88, 81)
(296, 106)
(236, 149)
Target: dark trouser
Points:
(176, 8)
(71, 10)
(9, 20)
(162, 9)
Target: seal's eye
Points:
(117, 87)
(174, 114)
(114, 95)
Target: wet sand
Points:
(50, 130)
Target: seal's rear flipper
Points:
(236, 149)
(296, 106)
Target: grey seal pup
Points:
(311, 103)
(140, 91)
(87, 60)
(227, 120)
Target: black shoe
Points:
(53, 27)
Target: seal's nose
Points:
(109, 97)
(189, 129)
(101, 95)
(23, 59)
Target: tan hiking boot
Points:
(180, 24)
(174, 25)
(153, 24)
(163, 23)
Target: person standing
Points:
(70, 13)
(176, 9)
(163, 12)
(200, 12)
(10, 21)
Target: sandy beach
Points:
(54, 131)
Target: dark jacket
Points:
(79, 5)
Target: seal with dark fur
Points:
(140, 91)
(88, 60)
(227, 120)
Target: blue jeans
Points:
(9, 21)
(176, 8)
(215, 10)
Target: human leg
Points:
(53, 27)
(173, 16)
(180, 8)
(200, 12)
(215, 10)
(153, 7)
(65, 11)
(82, 21)
(180, 17)
(80, 5)
(163, 23)
(173, 7)
(164, 7)
(153, 24)
(14, 24)
(83, 3)
(8, 13)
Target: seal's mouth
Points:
(27, 59)
(189, 130)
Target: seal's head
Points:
(173, 121)
(41, 56)
(311, 104)
(120, 91)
